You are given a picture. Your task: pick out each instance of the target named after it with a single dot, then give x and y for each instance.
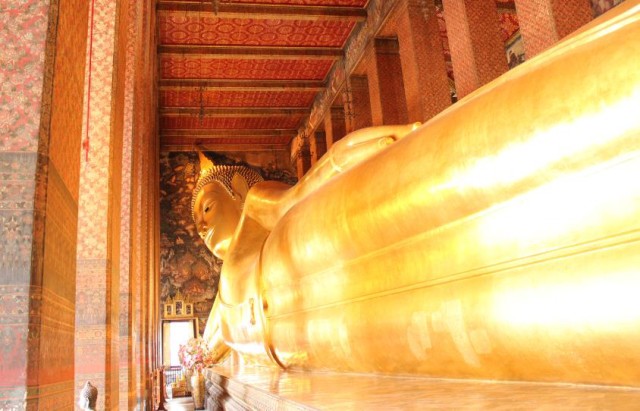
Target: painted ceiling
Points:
(238, 75)
(242, 75)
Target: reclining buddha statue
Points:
(499, 240)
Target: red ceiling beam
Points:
(216, 133)
(234, 112)
(266, 11)
(275, 85)
(219, 147)
(252, 52)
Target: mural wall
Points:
(600, 6)
(510, 30)
(186, 266)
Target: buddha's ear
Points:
(240, 187)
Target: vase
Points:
(197, 390)
(187, 378)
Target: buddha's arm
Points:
(213, 334)
(268, 201)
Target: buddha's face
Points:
(216, 215)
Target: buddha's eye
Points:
(208, 206)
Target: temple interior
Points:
(448, 218)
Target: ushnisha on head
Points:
(217, 202)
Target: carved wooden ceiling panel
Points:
(337, 3)
(201, 67)
(194, 121)
(196, 98)
(244, 75)
(228, 143)
(196, 28)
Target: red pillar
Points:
(334, 125)
(422, 57)
(477, 50)
(303, 160)
(386, 86)
(544, 22)
(317, 146)
(358, 104)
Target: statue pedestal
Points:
(270, 389)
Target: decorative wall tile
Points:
(23, 30)
(17, 176)
(477, 49)
(93, 280)
(544, 22)
(14, 321)
(94, 175)
(125, 313)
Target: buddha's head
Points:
(217, 202)
(88, 397)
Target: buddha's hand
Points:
(212, 335)
(361, 144)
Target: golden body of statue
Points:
(500, 240)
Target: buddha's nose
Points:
(202, 228)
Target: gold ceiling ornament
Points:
(179, 297)
(178, 306)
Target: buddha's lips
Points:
(208, 235)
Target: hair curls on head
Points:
(224, 175)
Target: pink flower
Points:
(195, 355)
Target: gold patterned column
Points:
(98, 245)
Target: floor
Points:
(179, 404)
(257, 386)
